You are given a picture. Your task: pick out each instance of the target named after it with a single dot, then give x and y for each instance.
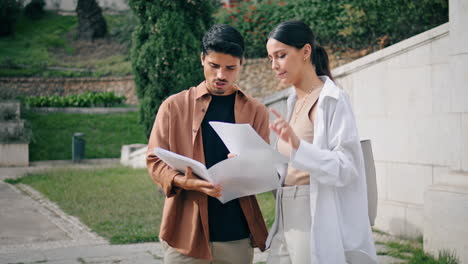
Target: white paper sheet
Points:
(242, 139)
(240, 176)
(180, 163)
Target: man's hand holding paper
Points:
(193, 183)
(251, 171)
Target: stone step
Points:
(9, 110)
(11, 127)
(14, 139)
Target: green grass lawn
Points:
(267, 205)
(120, 204)
(33, 38)
(36, 45)
(104, 134)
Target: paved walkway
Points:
(34, 230)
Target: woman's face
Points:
(287, 61)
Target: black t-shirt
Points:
(226, 221)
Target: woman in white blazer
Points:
(321, 208)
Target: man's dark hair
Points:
(224, 39)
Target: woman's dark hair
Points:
(225, 39)
(297, 34)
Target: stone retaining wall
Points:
(10, 87)
(257, 78)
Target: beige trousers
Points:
(231, 252)
(291, 244)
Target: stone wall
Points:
(401, 101)
(67, 86)
(257, 78)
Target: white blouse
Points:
(340, 229)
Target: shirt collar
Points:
(330, 89)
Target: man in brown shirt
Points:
(196, 227)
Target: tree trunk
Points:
(91, 23)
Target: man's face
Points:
(221, 72)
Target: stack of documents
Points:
(252, 171)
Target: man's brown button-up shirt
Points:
(184, 224)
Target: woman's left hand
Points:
(284, 130)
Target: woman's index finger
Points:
(276, 113)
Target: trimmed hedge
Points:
(9, 13)
(104, 99)
(255, 21)
(343, 23)
(35, 9)
(166, 50)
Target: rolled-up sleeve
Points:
(160, 136)
(261, 123)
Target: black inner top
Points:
(226, 221)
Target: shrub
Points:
(394, 19)
(255, 21)
(122, 26)
(9, 12)
(105, 99)
(35, 9)
(344, 23)
(166, 50)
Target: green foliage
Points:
(413, 253)
(121, 27)
(255, 21)
(13, 181)
(344, 23)
(104, 134)
(448, 257)
(9, 13)
(444, 257)
(397, 19)
(29, 50)
(37, 46)
(116, 65)
(166, 50)
(267, 206)
(91, 99)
